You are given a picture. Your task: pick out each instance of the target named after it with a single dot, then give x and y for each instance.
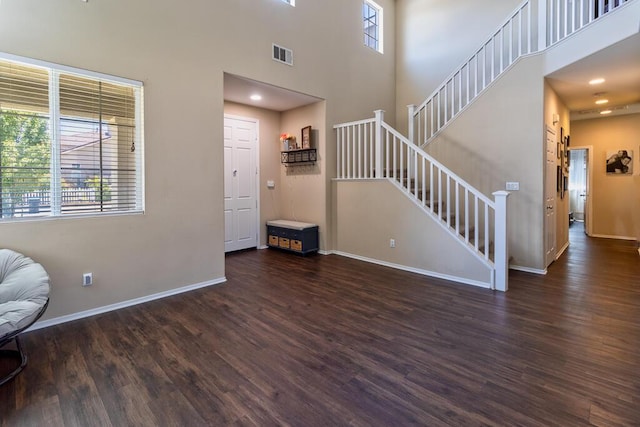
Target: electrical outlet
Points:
(271, 184)
(87, 279)
(513, 186)
(392, 243)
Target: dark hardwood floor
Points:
(326, 340)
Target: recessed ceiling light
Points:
(596, 81)
(605, 112)
(256, 97)
(602, 101)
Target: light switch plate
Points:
(271, 184)
(513, 186)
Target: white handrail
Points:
(524, 32)
(437, 164)
(371, 148)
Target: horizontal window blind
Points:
(69, 143)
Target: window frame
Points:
(379, 26)
(55, 116)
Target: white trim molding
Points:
(528, 269)
(606, 236)
(561, 251)
(112, 307)
(428, 273)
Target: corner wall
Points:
(500, 138)
(302, 196)
(181, 52)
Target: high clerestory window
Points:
(70, 141)
(372, 21)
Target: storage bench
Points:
(299, 237)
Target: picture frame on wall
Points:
(306, 137)
(619, 162)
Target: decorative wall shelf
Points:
(299, 157)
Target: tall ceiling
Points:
(239, 89)
(618, 64)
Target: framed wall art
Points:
(306, 137)
(620, 162)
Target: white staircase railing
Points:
(371, 149)
(534, 26)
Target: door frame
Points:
(588, 223)
(256, 153)
(548, 260)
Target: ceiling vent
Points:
(282, 54)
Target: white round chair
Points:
(24, 296)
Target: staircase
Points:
(371, 149)
(533, 27)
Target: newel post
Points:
(411, 131)
(379, 120)
(501, 244)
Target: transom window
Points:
(372, 20)
(70, 141)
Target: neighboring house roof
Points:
(81, 140)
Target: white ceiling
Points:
(618, 64)
(239, 89)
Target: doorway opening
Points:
(579, 204)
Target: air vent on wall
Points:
(282, 54)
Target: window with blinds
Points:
(70, 142)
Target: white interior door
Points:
(240, 175)
(550, 198)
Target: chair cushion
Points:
(24, 290)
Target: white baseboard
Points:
(528, 269)
(561, 251)
(104, 309)
(606, 236)
(416, 270)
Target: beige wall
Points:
(612, 196)
(554, 105)
(180, 53)
(368, 216)
(304, 192)
(499, 138)
(434, 38)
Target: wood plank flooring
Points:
(327, 340)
